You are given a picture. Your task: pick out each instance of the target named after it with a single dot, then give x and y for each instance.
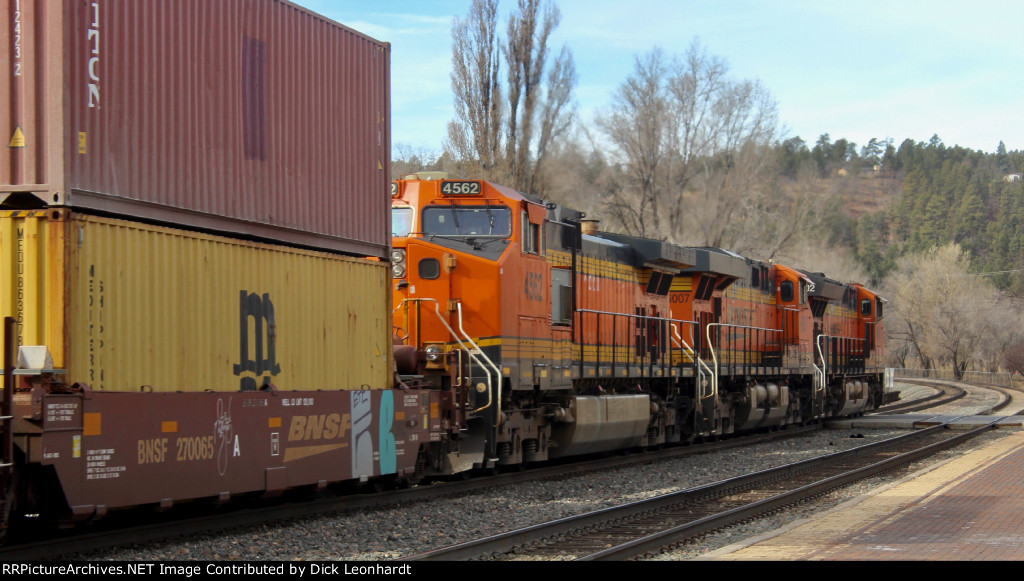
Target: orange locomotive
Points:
(548, 339)
(781, 346)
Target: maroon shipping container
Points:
(247, 117)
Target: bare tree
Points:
(695, 147)
(1013, 358)
(940, 308)
(408, 159)
(556, 115)
(502, 136)
(474, 135)
(636, 126)
(1003, 324)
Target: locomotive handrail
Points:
(497, 372)
(473, 353)
(823, 372)
(869, 338)
(696, 358)
(714, 355)
(668, 320)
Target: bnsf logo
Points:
(319, 427)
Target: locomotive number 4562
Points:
(460, 188)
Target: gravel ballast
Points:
(409, 529)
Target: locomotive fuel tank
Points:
(601, 423)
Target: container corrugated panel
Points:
(122, 305)
(248, 117)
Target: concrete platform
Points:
(970, 508)
(917, 421)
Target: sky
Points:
(856, 69)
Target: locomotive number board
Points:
(461, 188)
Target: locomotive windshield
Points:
(401, 222)
(477, 221)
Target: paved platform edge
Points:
(810, 538)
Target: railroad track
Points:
(649, 526)
(118, 531)
(947, 393)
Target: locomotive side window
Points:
(531, 236)
(401, 221)
(865, 307)
(878, 308)
(429, 268)
(786, 291)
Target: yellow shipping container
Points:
(124, 305)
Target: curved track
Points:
(637, 528)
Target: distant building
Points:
(1013, 177)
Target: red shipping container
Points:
(247, 117)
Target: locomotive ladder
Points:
(702, 368)
(821, 375)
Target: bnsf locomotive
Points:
(547, 338)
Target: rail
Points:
(1001, 379)
(648, 334)
(637, 527)
(747, 345)
(702, 367)
(476, 354)
(820, 373)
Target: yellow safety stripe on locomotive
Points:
(751, 295)
(681, 284)
(538, 348)
(841, 311)
(553, 350)
(595, 267)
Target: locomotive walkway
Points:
(970, 508)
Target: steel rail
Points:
(658, 541)
(537, 535)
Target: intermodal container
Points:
(254, 118)
(124, 306)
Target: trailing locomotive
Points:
(554, 339)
